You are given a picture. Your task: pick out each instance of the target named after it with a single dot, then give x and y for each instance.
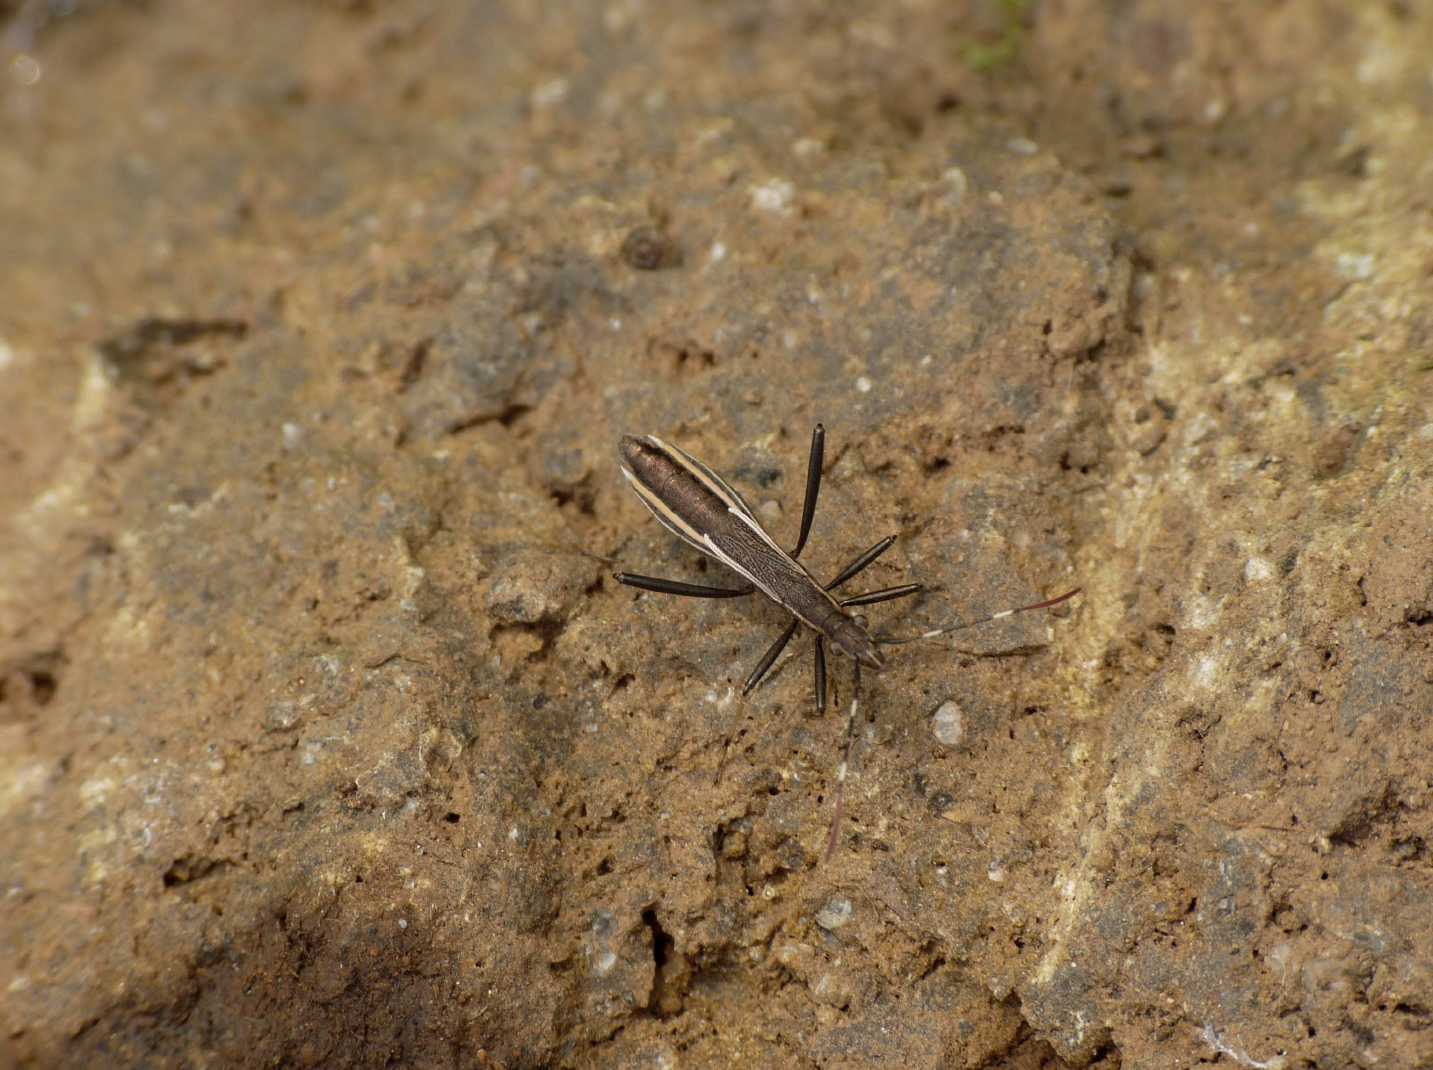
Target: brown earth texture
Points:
(327, 737)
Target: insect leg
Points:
(769, 658)
(861, 562)
(813, 486)
(887, 594)
(689, 590)
(763, 667)
(820, 675)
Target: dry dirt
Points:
(326, 737)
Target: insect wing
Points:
(665, 515)
(718, 486)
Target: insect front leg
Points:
(813, 486)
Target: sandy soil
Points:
(326, 737)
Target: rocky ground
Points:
(326, 737)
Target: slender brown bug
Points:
(696, 505)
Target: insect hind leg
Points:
(678, 587)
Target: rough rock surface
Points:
(326, 738)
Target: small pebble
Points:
(948, 724)
(1257, 569)
(1356, 266)
(957, 184)
(282, 716)
(774, 196)
(649, 249)
(836, 913)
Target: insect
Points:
(700, 508)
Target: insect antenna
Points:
(843, 770)
(845, 766)
(897, 640)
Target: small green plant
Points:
(989, 55)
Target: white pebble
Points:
(26, 69)
(948, 724)
(1257, 569)
(957, 183)
(836, 913)
(551, 92)
(774, 196)
(1356, 266)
